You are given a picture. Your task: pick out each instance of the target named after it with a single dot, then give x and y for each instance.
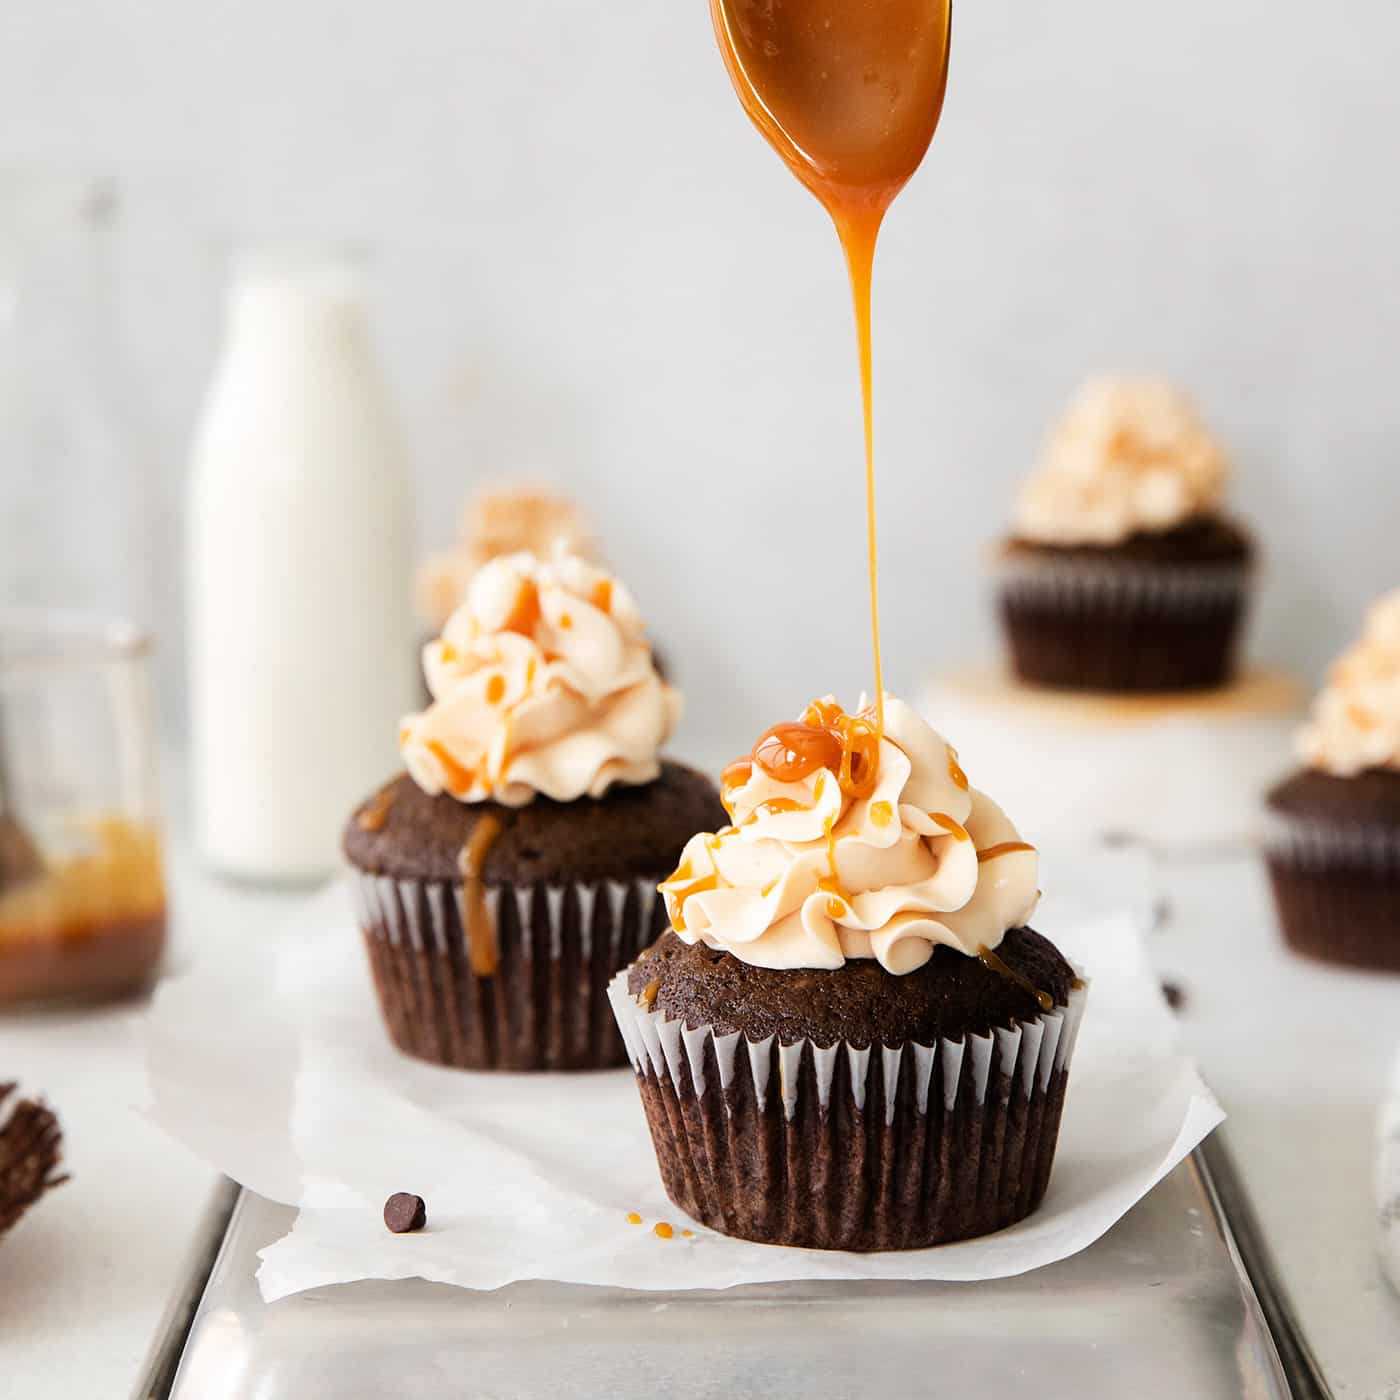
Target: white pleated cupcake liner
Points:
(1314, 847)
(1030, 1052)
(852, 1147)
(1120, 585)
(544, 1007)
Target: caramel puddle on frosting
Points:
(989, 959)
(848, 93)
(480, 928)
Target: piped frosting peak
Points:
(542, 684)
(846, 843)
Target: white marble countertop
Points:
(1298, 1053)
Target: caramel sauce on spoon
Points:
(848, 92)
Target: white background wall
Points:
(588, 264)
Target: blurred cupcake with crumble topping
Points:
(512, 869)
(1123, 572)
(1334, 844)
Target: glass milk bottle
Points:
(300, 625)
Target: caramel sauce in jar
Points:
(90, 923)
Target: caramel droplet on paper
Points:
(633, 1218)
(662, 1230)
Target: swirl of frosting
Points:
(1355, 722)
(1129, 456)
(542, 682)
(501, 520)
(811, 874)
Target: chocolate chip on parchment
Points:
(1174, 994)
(404, 1213)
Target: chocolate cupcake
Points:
(1333, 850)
(850, 1039)
(512, 870)
(1123, 574)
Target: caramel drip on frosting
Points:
(459, 779)
(483, 954)
(953, 828)
(1002, 848)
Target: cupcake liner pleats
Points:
(852, 1147)
(1075, 582)
(544, 1007)
(1122, 626)
(1336, 887)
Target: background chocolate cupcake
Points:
(1334, 843)
(849, 1039)
(513, 869)
(1123, 573)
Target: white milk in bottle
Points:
(300, 627)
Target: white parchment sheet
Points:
(281, 1076)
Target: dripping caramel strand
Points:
(990, 960)
(480, 928)
(375, 813)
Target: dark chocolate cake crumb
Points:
(1368, 798)
(1204, 539)
(632, 830)
(405, 1213)
(950, 996)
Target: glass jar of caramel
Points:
(82, 896)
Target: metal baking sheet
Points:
(1179, 1299)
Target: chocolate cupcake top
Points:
(1129, 457)
(848, 844)
(631, 832)
(542, 685)
(1355, 721)
(949, 996)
